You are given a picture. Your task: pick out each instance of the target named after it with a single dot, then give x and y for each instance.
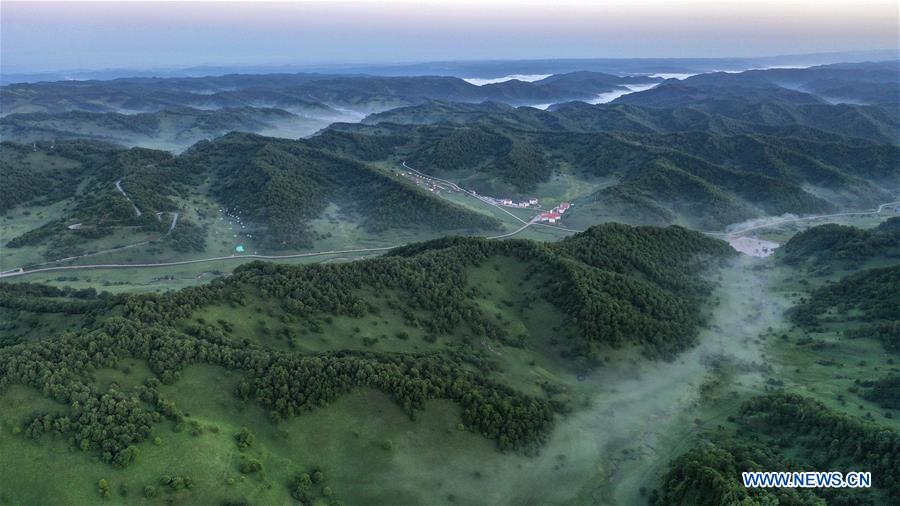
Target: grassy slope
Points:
(355, 428)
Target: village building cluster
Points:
(522, 205)
(554, 215)
(436, 185)
(428, 183)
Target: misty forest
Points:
(602, 285)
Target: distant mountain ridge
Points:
(870, 83)
(704, 152)
(470, 68)
(706, 165)
(176, 127)
(310, 94)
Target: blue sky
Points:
(41, 36)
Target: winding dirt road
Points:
(137, 212)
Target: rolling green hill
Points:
(281, 185)
(868, 82)
(863, 300)
(784, 432)
(819, 122)
(870, 295)
(703, 179)
(486, 335)
(104, 195)
(174, 128)
(314, 95)
(837, 246)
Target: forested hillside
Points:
(704, 179)
(706, 152)
(277, 186)
(86, 177)
(870, 295)
(831, 246)
(864, 304)
(739, 115)
(281, 185)
(171, 128)
(785, 432)
(308, 94)
(868, 82)
(454, 325)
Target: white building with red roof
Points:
(551, 216)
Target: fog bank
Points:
(528, 78)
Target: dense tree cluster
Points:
(290, 385)
(770, 427)
(286, 384)
(885, 392)
(524, 166)
(151, 179)
(618, 285)
(364, 147)
(872, 293)
(886, 332)
(41, 174)
(827, 438)
(39, 298)
(20, 183)
(280, 185)
(842, 246)
(710, 475)
(109, 423)
(309, 487)
(670, 257)
(625, 203)
(869, 299)
(186, 236)
(452, 149)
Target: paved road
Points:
(742, 231)
(95, 253)
(557, 227)
(20, 271)
(467, 192)
(448, 183)
(13, 273)
(514, 232)
(526, 224)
